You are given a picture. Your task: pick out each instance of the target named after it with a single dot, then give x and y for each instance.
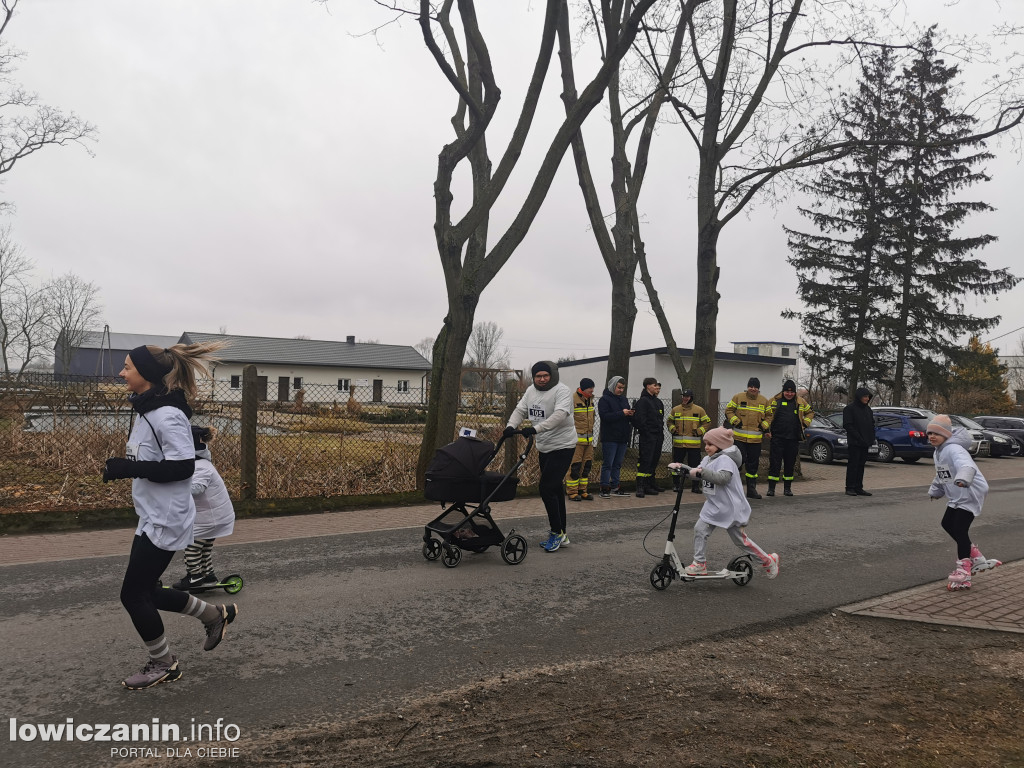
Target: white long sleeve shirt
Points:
(550, 413)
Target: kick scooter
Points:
(232, 585)
(740, 568)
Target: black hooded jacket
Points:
(649, 418)
(859, 421)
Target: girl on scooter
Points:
(725, 505)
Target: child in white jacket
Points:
(958, 478)
(725, 505)
(215, 515)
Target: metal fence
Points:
(56, 433)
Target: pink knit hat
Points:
(942, 425)
(720, 437)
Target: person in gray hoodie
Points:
(958, 478)
(548, 406)
(725, 505)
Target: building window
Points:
(785, 351)
(753, 350)
(297, 383)
(236, 382)
(343, 385)
(403, 385)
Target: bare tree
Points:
(23, 309)
(73, 310)
(425, 347)
(485, 348)
(757, 103)
(460, 50)
(26, 124)
(619, 241)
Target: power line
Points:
(996, 338)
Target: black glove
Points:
(118, 469)
(528, 431)
(508, 432)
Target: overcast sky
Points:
(264, 168)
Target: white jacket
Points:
(725, 504)
(215, 515)
(953, 463)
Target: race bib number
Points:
(709, 487)
(943, 474)
(537, 414)
(131, 451)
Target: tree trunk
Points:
(706, 321)
(445, 379)
(623, 319)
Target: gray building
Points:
(102, 353)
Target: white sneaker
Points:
(696, 569)
(772, 568)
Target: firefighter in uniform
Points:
(745, 413)
(577, 480)
(649, 422)
(687, 422)
(788, 415)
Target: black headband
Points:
(146, 364)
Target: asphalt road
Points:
(338, 626)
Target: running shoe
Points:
(154, 673)
(772, 567)
(696, 569)
(217, 628)
(552, 542)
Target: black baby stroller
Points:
(457, 475)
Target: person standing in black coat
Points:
(616, 419)
(859, 423)
(649, 421)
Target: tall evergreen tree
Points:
(883, 282)
(933, 268)
(840, 280)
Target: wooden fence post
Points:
(511, 401)
(250, 402)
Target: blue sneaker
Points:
(552, 542)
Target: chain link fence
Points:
(317, 442)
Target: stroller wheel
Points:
(451, 556)
(513, 549)
(661, 576)
(432, 549)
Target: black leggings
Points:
(140, 594)
(957, 523)
(553, 466)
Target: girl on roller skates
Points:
(958, 478)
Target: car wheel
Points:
(1016, 449)
(911, 459)
(886, 452)
(821, 452)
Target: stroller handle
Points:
(526, 451)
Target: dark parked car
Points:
(1000, 444)
(826, 442)
(1008, 425)
(899, 432)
